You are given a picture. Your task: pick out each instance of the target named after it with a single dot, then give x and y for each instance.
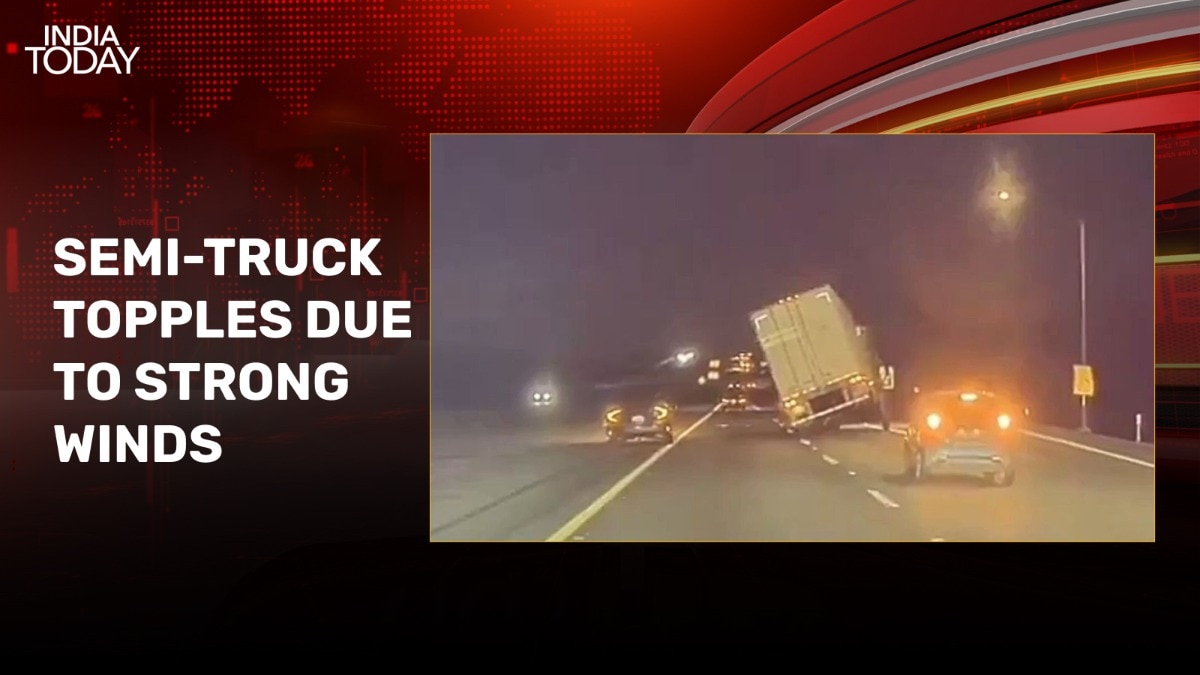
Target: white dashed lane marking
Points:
(883, 499)
(829, 460)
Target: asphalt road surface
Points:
(738, 477)
(496, 480)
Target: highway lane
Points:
(496, 478)
(1062, 493)
(739, 478)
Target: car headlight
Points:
(1004, 421)
(933, 420)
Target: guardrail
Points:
(1180, 457)
(1123, 449)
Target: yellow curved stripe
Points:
(1056, 90)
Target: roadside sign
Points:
(714, 375)
(887, 375)
(1085, 381)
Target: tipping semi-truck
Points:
(822, 362)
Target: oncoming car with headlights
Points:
(963, 433)
(636, 416)
(541, 398)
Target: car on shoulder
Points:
(963, 433)
(635, 415)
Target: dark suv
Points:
(636, 416)
(963, 432)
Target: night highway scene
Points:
(679, 338)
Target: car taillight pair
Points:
(934, 421)
(614, 415)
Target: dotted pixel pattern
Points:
(520, 66)
(1177, 335)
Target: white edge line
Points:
(883, 499)
(1088, 448)
(581, 518)
(829, 460)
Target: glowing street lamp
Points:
(1005, 196)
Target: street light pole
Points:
(1083, 421)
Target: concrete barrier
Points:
(1141, 454)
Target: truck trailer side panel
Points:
(814, 348)
(785, 345)
(810, 341)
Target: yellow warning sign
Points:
(1085, 382)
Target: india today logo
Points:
(81, 50)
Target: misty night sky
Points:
(553, 251)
